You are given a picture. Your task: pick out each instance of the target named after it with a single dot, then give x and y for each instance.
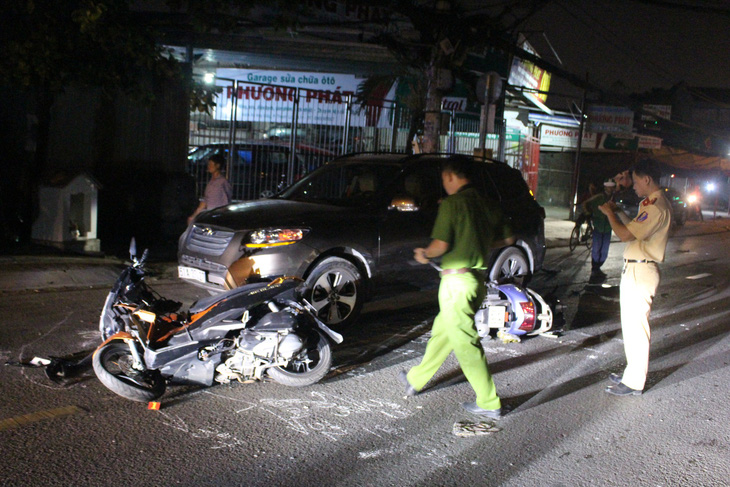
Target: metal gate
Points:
(272, 135)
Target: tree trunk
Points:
(432, 118)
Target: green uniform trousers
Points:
(453, 330)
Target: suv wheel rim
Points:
(334, 295)
(512, 268)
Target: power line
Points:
(646, 59)
(693, 6)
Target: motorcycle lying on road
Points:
(242, 334)
(513, 310)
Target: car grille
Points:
(207, 241)
(205, 265)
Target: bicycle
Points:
(582, 232)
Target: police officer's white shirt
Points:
(650, 228)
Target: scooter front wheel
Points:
(308, 367)
(113, 366)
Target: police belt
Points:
(642, 261)
(462, 270)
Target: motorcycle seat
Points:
(206, 302)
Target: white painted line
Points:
(699, 276)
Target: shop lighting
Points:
(209, 78)
(710, 187)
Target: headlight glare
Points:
(270, 237)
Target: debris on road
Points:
(470, 428)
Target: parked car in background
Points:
(356, 218)
(257, 169)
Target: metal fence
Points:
(273, 135)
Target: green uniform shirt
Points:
(469, 224)
(600, 221)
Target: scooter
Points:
(512, 310)
(243, 334)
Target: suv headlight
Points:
(272, 237)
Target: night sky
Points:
(638, 45)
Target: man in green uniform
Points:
(465, 229)
(601, 228)
(647, 236)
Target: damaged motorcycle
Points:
(243, 334)
(513, 310)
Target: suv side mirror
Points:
(403, 203)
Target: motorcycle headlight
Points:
(272, 237)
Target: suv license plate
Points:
(191, 273)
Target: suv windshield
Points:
(351, 184)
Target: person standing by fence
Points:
(217, 191)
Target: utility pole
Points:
(492, 89)
(576, 173)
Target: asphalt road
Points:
(357, 428)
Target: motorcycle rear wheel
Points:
(306, 368)
(113, 366)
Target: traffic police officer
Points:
(647, 236)
(466, 227)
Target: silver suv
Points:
(355, 218)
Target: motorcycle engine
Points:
(264, 344)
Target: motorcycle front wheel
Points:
(113, 366)
(308, 367)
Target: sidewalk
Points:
(557, 227)
(39, 272)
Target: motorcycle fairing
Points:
(120, 335)
(232, 302)
(187, 369)
(244, 296)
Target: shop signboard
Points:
(649, 142)
(608, 141)
(454, 104)
(268, 96)
(528, 75)
(551, 135)
(652, 112)
(610, 119)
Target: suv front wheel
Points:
(510, 265)
(337, 291)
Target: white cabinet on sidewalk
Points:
(68, 213)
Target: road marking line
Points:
(18, 421)
(699, 276)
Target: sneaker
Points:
(622, 389)
(472, 407)
(403, 377)
(615, 378)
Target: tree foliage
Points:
(50, 45)
(432, 39)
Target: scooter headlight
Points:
(272, 237)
